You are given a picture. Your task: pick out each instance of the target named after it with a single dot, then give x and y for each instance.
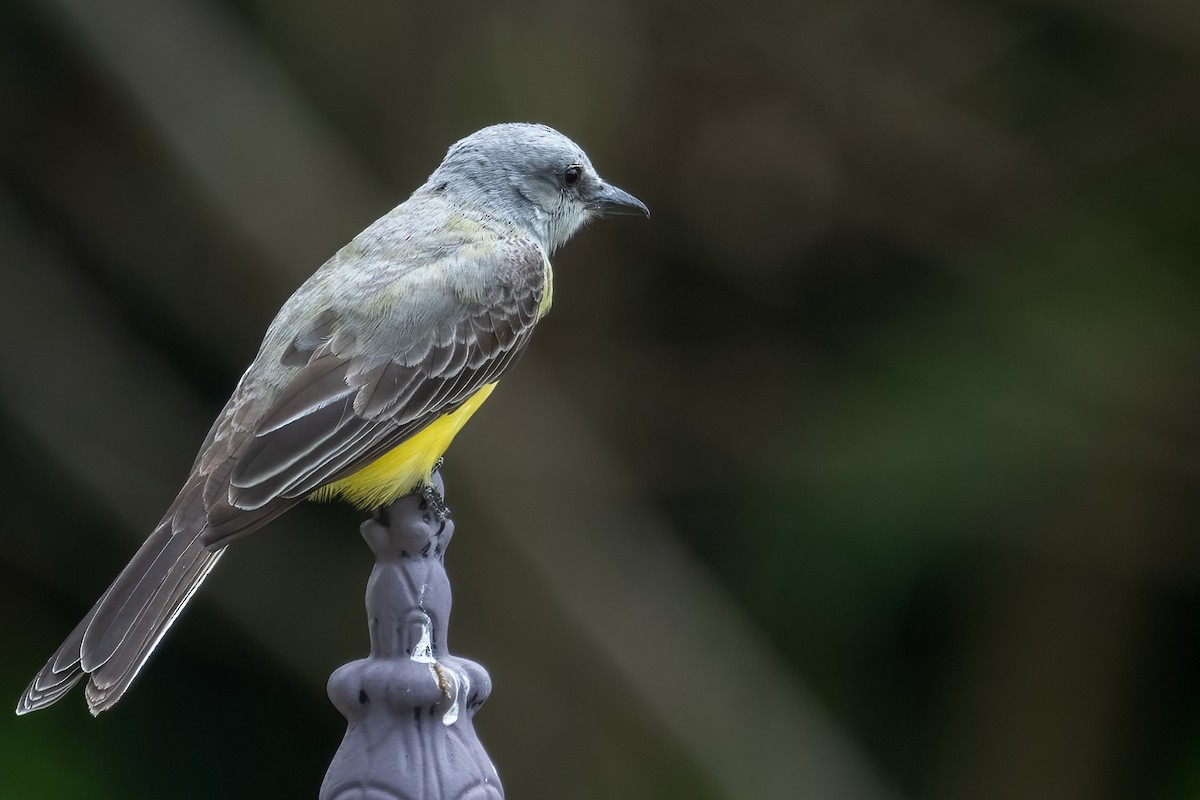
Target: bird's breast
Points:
(406, 467)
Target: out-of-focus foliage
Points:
(868, 467)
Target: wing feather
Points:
(322, 382)
(348, 405)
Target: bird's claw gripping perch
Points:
(431, 501)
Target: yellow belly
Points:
(406, 467)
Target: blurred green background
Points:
(866, 468)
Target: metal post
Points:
(410, 703)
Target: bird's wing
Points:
(343, 407)
(348, 404)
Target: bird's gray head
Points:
(530, 176)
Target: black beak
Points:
(608, 200)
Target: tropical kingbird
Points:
(361, 382)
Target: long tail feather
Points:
(116, 637)
(112, 643)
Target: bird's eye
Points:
(572, 175)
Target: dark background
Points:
(866, 468)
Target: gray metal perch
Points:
(410, 703)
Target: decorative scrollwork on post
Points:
(410, 704)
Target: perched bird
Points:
(362, 380)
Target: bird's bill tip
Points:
(610, 200)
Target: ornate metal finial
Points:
(410, 703)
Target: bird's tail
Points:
(113, 641)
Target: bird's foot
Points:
(431, 501)
(437, 465)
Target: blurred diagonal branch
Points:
(683, 648)
(233, 120)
